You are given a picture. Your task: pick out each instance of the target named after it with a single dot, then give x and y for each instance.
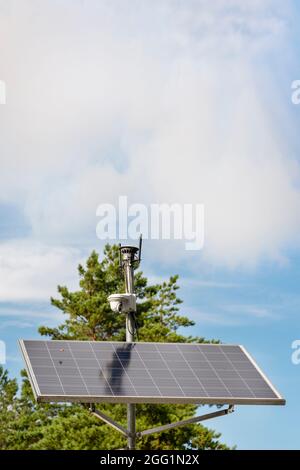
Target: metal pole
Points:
(130, 329)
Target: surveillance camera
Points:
(115, 304)
(122, 303)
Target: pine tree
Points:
(89, 317)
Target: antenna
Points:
(140, 248)
(120, 259)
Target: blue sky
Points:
(170, 102)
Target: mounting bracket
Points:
(196, 419)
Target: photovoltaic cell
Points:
(90, 371)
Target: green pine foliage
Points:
(24, 424)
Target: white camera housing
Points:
(122, 303)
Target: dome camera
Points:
(122, 303)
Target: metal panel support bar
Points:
(165, 427)
(195, 419)
(109, 421)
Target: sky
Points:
(165, 101)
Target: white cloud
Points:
(31, 271)
(14, 358)
(216, 318)
(2, 92)
(163, 101)
(233, 315)
(255, 311)
(15, 324)
(190, 282)
(33, 316)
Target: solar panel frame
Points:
(185, 398)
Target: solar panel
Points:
(116, 372)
